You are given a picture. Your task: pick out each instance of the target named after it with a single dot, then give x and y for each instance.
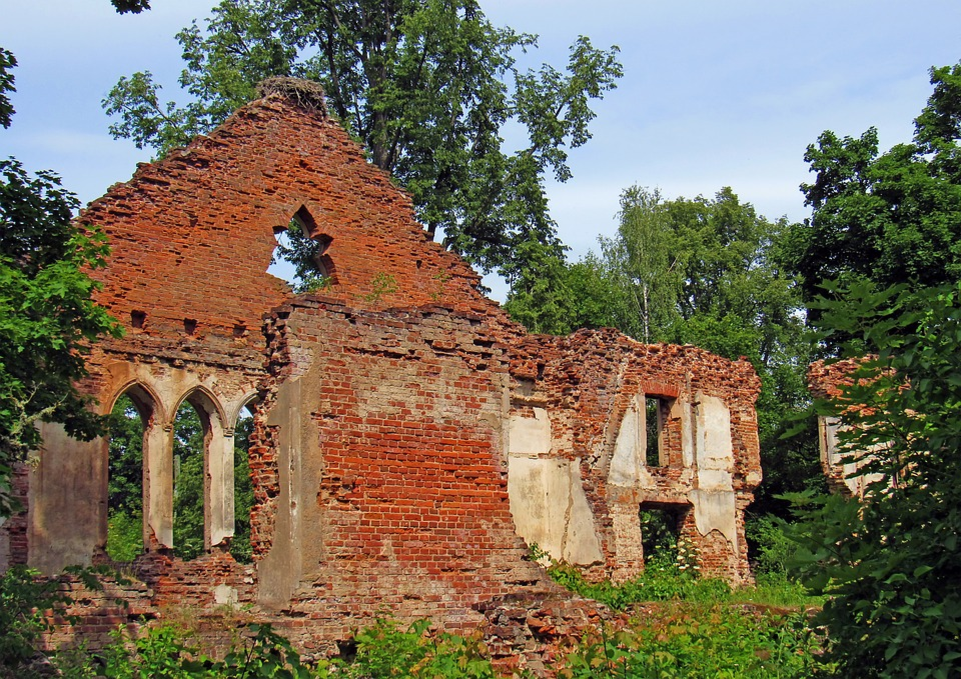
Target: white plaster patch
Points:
(530, 435)
(713, 446)
(550, 509)
(225, 594)
(714, 479)
(630, 449)
(715, 510)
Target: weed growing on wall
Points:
(381, 285)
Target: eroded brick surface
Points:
(408, 436)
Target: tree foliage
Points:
(702, 271)
(7, 62)
(47, 316)
(132, 6)
(887, 217)
(427, 86)
(188, 483)
(125, 482)
(891, 563)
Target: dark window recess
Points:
(240, 330)
(190, 326)
(660, 529)
(137, 319)
(656, 416)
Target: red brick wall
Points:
(410, 504)
(192, 235)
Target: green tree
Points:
(554, 297)
(188, 483)
(891, 563)
(887, 217)
(697, 271)
(7, 62)
(703, 271)
(642, 261)
(427, 86)
(133, 6)
(47, 317)
(125, 482)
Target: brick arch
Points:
(145, 398)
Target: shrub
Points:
(24, 597)
(387, 649)
(700, 640)
(666, 577)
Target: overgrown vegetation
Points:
(701, 640)
(385, 649)
(889, 564)
(23, 599)
(708, 271)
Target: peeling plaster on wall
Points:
(713, 499)
(531, 435)
(594, 386)
(281, 568)
(714, 510)
(551, 510)
(628, 466)
(714, 450)
(547, 496)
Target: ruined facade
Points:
(841, 468)
(409, 438)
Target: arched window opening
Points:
(191, 434)
(125, 479)
(240, 546)
(300, 256)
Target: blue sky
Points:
(714, 93)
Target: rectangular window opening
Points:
(656, 412)
(660, 532)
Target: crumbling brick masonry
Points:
(409, 438)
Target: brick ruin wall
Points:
(390, 422)
(826, 379)
(397, 491)
(593, 386)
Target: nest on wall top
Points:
(305, 93)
